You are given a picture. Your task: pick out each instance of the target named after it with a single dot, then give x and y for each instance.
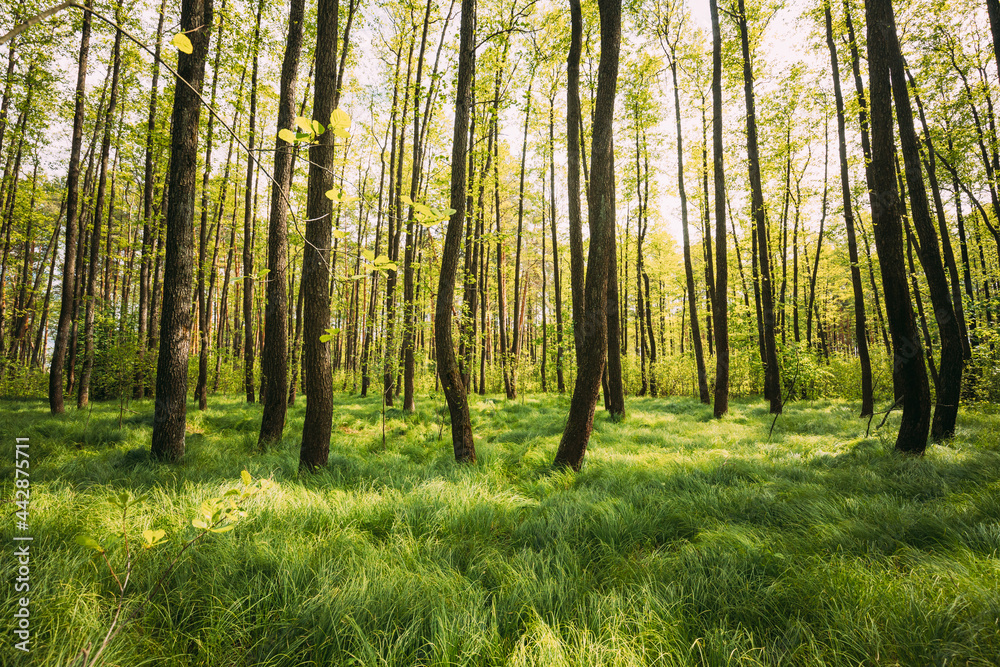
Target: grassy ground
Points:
(684, 540)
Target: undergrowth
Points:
(684, 540)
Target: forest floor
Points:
(683, 541)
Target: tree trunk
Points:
(908, 360)
(83, 389)
(720, 313)
(949, 385)
(772, 379)
(274, 361)
(249, 223)
(56, 405)
(556, 287)
(316, 255)
(601, 216)
(860, 320)
(170, 414)
(573, 139)
(451, 380)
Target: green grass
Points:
(684, 540)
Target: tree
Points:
(601, 218)
(448, 371)
(275, 358)
(170, 414)
(316, 256)
(56, 405)
(720, 313)
(908, 362)
(860, 321)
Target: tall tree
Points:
(720, 313)
(772, 378)
(860, 320)
(316, 255)
(601, 218)
(170, 413)
(908, 361)
(56, 404)
(83, 389)
(249, 210)
(451, 378)
(274, 361)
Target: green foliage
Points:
(685, 540)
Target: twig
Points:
(791, 387)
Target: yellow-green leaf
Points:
(339, 233)
(341, 132)
(303, 123)
(198, 523)
(406, 200)
(287, 135)
(89, 542)
(245, 476)
(339, 119)
(223, 529)
(182, 43)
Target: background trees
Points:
(761, 201)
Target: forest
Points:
(705, 295)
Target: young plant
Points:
(215, 515)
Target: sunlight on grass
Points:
(684, 541)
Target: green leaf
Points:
(339, 119)
(89, 542)
(198, 523)
(406, 200)
(317, 128)
(341, 132)
(303, 123)
(325, 338)
(223, 529)
(183, 44)
(339, 234)
(287, 135)
(245, 476)
(368, 254)
(153, 537)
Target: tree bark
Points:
(170, 413)
(908, 360)
(860, 320)
(315, 449)
(451, 379)
(56, 405)
(274, 361)
(720, 313)
(601, 216)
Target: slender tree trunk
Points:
(170, 413)
(860, 320)
(720, 313)
(573, 146)
(515, 345)
(451, 379)
(249, 223)
(275, 359)
(772, 378)
(949, 385)
(316, 256)
(908, 360)
(688, 269)
(601, 204)
(556, 287)
(56, 405)
(83, 389)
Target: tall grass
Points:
(684, 540)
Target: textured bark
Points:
(515, 344)
(274, 361)
(772, 379)
(908, 359)
(56, 405)
(601, 217)
(83, 389)
(949, 384)
(451, 379)
(860, 320)
(318, 423)
(170, 413)
(249, 208)
(720, 313)
(556, 287)
(573, 138)
(148, 224)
